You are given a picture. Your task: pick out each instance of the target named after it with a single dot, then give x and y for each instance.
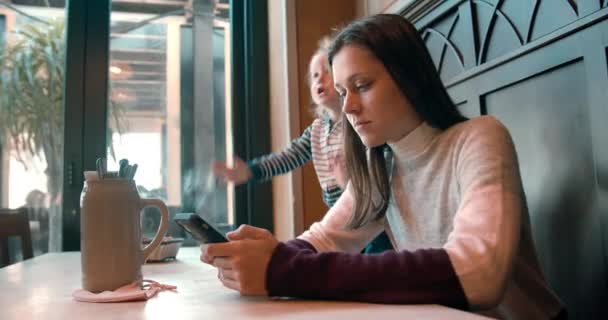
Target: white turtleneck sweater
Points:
(458, 220)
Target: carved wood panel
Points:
(474, 32)
(541, 67)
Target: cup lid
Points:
(91, 176)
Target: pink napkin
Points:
(131, 292)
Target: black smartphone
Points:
(199, 228)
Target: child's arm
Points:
(295, 155)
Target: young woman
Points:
(321, 142)
(447, 190)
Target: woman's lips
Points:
(359, 125)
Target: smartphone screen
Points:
(199, 228)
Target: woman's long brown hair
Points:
(396, 43)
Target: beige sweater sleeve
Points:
(484, 240)
(331, 233)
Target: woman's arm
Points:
(485, 238)
(293, 156)
(422, 276)
(331, 233)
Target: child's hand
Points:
(238, 174)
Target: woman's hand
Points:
(238, 174)
(243, 261)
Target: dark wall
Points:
(541, 68)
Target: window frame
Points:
(251, 105)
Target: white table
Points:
(41, 288)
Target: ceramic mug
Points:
(111, 235)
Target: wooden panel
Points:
(316, 18)
(469, 110)
(501, 35)
(542, 68)
(460, 32)
(549, 120)
(448, 58)
(596, 58)
(552, 15)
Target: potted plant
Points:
(32, 69)
(31, 104)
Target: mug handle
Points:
(162, 228)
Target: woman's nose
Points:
(350, 103)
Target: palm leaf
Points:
(31, 95)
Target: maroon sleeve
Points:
(422, 276)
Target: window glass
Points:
(32, 64)
(169, 103)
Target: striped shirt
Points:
(321, 142)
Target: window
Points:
(169, 103)
(32, 42)
(168, 84)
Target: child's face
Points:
(321, 83)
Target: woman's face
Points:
(374, 105)
(322, 85)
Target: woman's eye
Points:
(362, 86)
